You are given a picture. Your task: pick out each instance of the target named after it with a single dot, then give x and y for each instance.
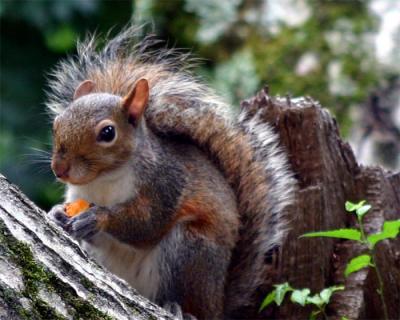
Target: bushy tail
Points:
(247, 151)
(243, 146)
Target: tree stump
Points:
(329, 175)
(45, 275)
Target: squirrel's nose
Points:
(61, 170)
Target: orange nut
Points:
(74, 208)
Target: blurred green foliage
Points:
(245, 44)
(35, 35)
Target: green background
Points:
(240, 53)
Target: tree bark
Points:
(44, 274)
(328, 175)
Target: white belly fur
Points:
(138, 267)
(115, 187)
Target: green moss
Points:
(87, 284)
(38, 308)
(21, 254)
(11, 298)
(41, 310)
(83, 309)
(36, 276)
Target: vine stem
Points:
(324, 313)
(380, 291)
(363, 237)
(376, 268)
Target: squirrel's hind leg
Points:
(193, 271)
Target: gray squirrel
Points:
(188, 196)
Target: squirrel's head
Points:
(96, 133)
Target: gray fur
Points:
(181, 105)
(185, 269)
(270, 225)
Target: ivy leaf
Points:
(268, 300)
(360, 212)
(390, 231)
(357, 263)
(281, 290)
(327, 293)
(350, 234)
(300, 296)
(350, 206)
(315, 300)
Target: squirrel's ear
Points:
(84, 88)
(135, 101)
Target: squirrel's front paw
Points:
(85, 225)
(57, 214)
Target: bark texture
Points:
(328, 175)
(45, 275)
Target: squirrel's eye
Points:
(107, 134)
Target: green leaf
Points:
(281, 290)
(276, 295)
(350, 206)
(300, 296)
(390, 231)
(357, 263)
(327, 293)
(315, 300)
(360, 212)
(344, 318)
(351, 234)
(268, 300)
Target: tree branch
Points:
(44, 274)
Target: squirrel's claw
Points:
(176, 310)
(84, 225)
(57, 214)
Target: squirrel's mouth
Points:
(81, 174)
(76, 178)
(69, 172)
(81, 180)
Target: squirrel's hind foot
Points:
(176, 310)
